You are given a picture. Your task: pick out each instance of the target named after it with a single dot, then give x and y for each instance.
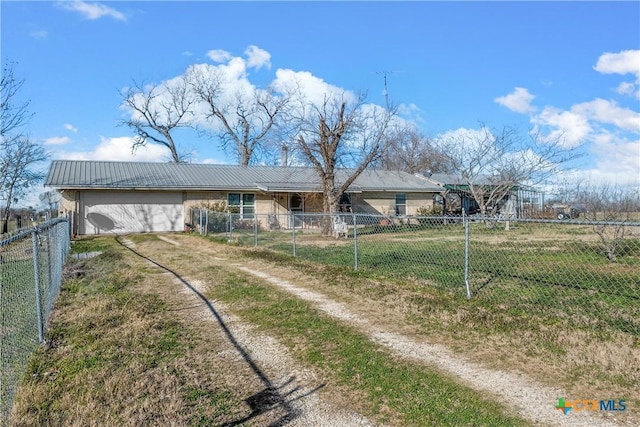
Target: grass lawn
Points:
(542, 269)
(117, 354)
(125, 349)
(543, 296)
(388, 388)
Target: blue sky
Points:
(564, 67)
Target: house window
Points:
(401, 204)
(243, 204)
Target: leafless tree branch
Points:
(157, 111)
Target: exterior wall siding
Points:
(385, 202)
(270, 203)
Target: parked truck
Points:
(569, 211)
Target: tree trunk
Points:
(330, 205)
(245, 157)
(5, 220)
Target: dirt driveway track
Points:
(303, 397)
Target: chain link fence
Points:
(31, 262)
(583, 272)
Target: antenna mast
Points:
(385, 92)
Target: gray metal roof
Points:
(459, 182)
(447, 179)
(77, 174)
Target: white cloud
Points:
(39, 35)
(620, 156)
(624, 62)
(586, 121)
(118, 149)
(519, 101)
(608, 129)
(568, 127)
(235, 87)
(57, 140)
(608, 112)
(92, 11)
(257, 58)
(70, 127)
(618, 161)
(232, 72)
(411, 112)
(314, 89)
(463, 135)
(625, 88)
(219, 55)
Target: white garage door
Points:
(131, 212)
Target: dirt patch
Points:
(530, 400)
(168, 240)
(278, 391)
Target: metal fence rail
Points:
(583, 272)
(31, 262)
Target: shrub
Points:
(425, 215)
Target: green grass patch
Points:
(520, 322)
(91, 244)
(540, 269)
(392, 389)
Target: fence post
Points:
(206, 222)
(255, 230)
(36, 274)
(70, 224)
(465, 221)
(355, 241)
(50, 230)
(293, 222)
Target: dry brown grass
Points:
(132, 365)
(207, 380)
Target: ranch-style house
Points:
(137, 197)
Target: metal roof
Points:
(447, 179)
(458, 182)
(78, 174)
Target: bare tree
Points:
(604, 200)
(18, 174)
(413, 152)
(494, 163)
(156, 112)
(340, 133)
(609, 206)
(18, 154)
(246, 120)
(12, 115)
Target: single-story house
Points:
(128, 197)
